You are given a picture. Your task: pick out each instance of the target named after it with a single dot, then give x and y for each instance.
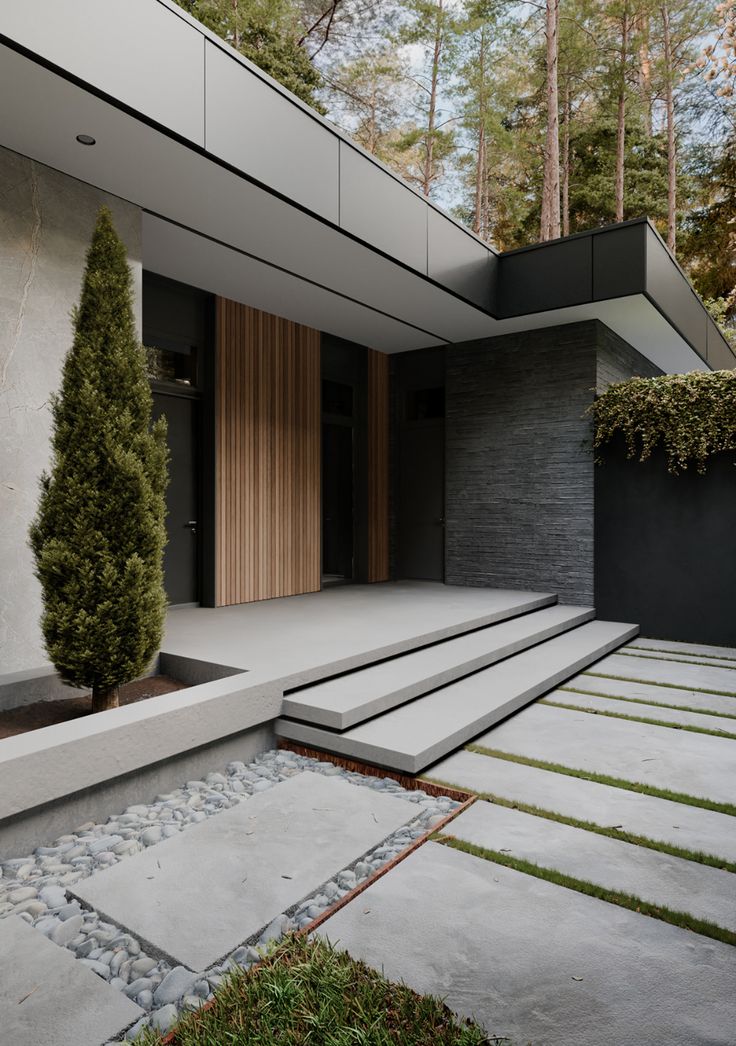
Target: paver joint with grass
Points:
(687, 727)
(657, 682)
(646, 701)
(615, 782)
(305, 992)
(624, 900)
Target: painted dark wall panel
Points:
(548, 277)
(619, 262)
(378, 466)
(267, 456)
(664, 554)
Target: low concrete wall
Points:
(664, 547)
(51, 779)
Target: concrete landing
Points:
(668, 695)
(536, 962)
(342, 702)
(678, 673)
(48, 998)
(688, 827)
(411, 737)
(195, 897)
(627, 708)
(695, 764)
(657, 878)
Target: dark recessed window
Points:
(175, 364)
(424, 404)
(337, 398)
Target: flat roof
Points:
(248, 193)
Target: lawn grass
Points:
(304, 992)
(678, 660)
(624, 900)
(679, 653)
(687, 727)
(652, 682)
(615, 782)
(608, 830)
(646, 701)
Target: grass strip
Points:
(669, 686)
(624, 900)
(676, 660)
(307, 992)
(680, 653)
(698, 856)
(614, 782)
(688, 727)
(647, 701)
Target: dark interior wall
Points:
(519, 491)
(664, 550)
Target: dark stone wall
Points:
(617, 361)
(664, 547)
(519, 464)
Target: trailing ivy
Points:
(692, 416)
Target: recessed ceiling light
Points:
(86, 139)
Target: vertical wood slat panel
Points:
(378, 466)
(267, 457)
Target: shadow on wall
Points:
(665, 546)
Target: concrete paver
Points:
(537, 962)
(689, 763)
(679, 673)
(196, 896)
(685, 648)
(628, 708)
(687, 827)
(47, 998)
(657, 878)
(667, 695)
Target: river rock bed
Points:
(34, 886)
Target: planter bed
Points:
(50, 711)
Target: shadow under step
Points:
(413, 736)
(352, 698)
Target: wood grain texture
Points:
(267, 517)
(378, 466)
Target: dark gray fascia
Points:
(601, 264)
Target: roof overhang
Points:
(248, 193)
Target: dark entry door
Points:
(337, 501)
(180, 557)
(421, 487)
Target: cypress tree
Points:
(99, 534)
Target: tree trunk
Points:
(104, 698)
(432, 114)
(671, 142)
(236, 25)
(566, 162)
(645, 75)
(480, 167)
(621, 120)
(550, 223)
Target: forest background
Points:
(528, 121)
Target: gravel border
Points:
(34, 887)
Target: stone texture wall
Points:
(46, 221)
(519, 493)
(617, 361)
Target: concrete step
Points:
(416, 734)
(346, 700)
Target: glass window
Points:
(176, 364)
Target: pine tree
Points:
(99, 534)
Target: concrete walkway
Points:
(521, 945)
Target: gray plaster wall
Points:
(46, 221)
(519, 464)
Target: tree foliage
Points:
(99, 533)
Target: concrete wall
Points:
(520, 484)
(46, 221)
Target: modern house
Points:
(358, 389)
